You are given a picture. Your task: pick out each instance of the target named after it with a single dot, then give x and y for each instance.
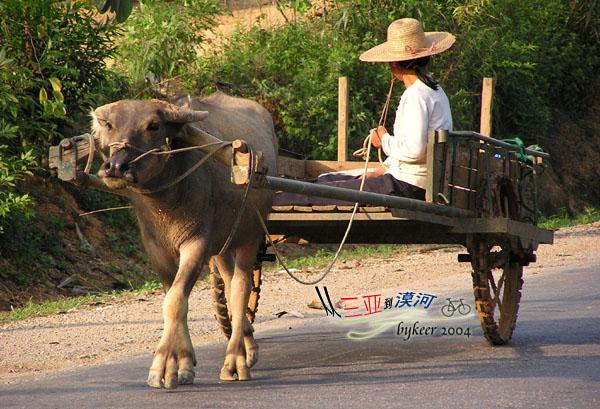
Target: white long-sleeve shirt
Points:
(421, 110)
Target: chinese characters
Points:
(364, 305)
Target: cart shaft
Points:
(370, 198)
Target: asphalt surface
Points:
(553, 361)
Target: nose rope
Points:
(120, 145)
(184, 175)
(156, 151)
(159, 151)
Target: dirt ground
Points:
(132, 325)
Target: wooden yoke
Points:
(71, 154)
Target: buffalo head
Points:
(126, 129)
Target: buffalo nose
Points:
(116, 165)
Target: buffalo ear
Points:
(183, 115)
(98, 117)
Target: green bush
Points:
(52, 69)
(294, 72)
(162, 40)
(543, 55)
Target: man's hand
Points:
(377, 135)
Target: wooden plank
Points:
(448, 172)
(367, 228)
(342, 154)
(317, 216)
(373, 209)
(302, 209)
(424, 217)
(314, 168)
(461, 172)
(506, 162)
(474, 176)
(435, 167)
(500, 225)
(462, 175)
(431, 168)
(462, 154)
(290, 167)
(439, 171)
(487, 97)
(282, 208)
(345, 208)
(484, 164)
(324, 208)
(460, 197)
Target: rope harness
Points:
(166, 150)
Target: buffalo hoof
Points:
(155, 380)
(228, 374)
(185, 377)
(170, 381)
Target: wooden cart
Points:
(479, 195)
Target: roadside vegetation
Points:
(320, 256)
(67, 304)
(58, 59)
(563, 219)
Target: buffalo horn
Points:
(184, 115)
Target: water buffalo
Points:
(184, 225)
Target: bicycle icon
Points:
(455, 305)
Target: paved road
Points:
(553, 362)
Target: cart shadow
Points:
(544, 348)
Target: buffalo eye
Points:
(108, 125)
(153, 126)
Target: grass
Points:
(324, 256)
(30, 309)
(148, 286)
(63, 305)
(562, 219)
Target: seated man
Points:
(423, 107)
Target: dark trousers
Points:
(385, 184)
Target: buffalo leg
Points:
(242, 351)
(226, 267)
(174, 359)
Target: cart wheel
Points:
(219, 302)
(497, 281)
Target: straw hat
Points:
(407, 41)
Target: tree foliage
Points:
(52, 69)
(544, 54)
(162, 40)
